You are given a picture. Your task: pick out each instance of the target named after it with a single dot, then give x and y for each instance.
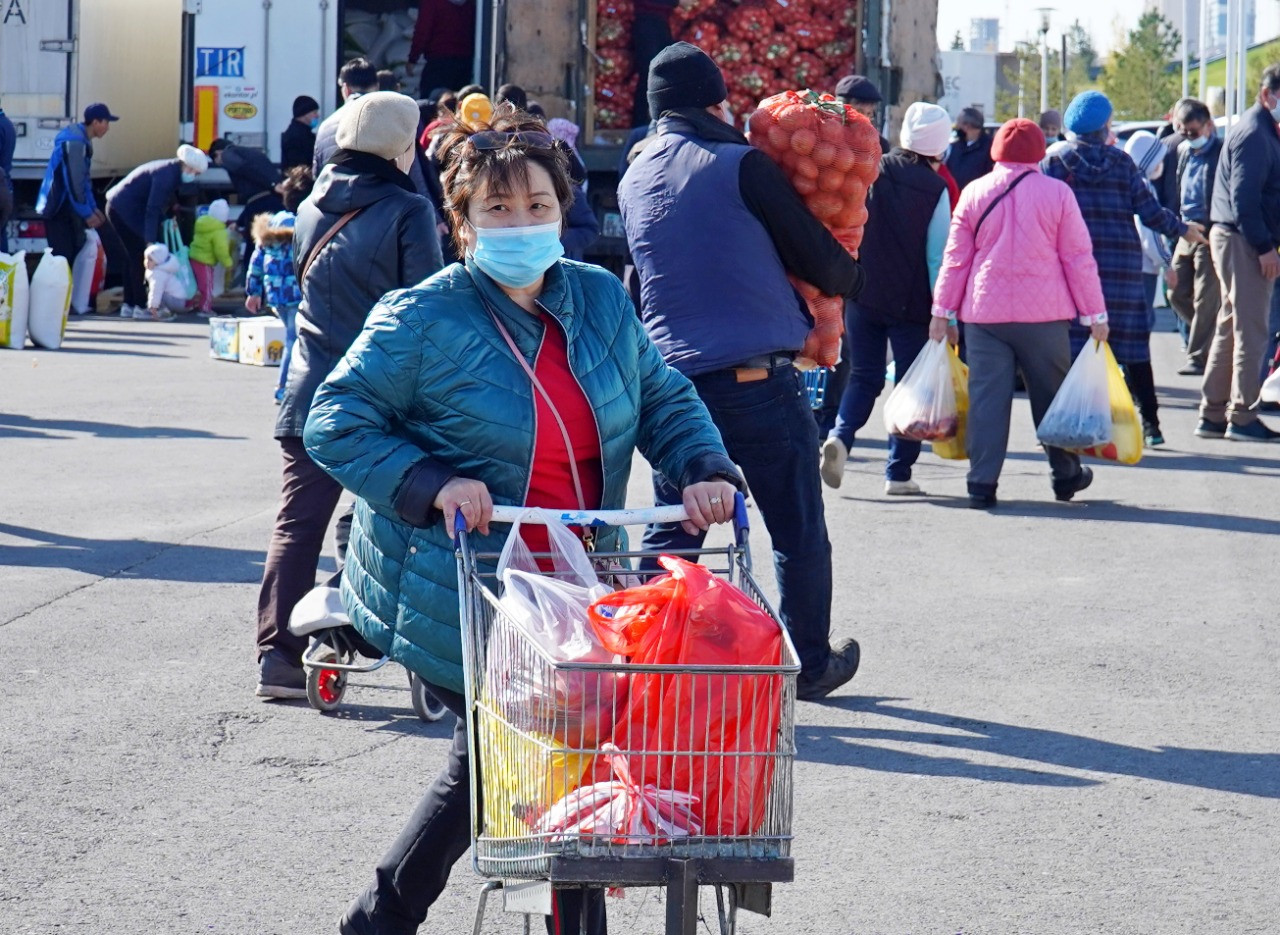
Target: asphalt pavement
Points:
(1066, 719)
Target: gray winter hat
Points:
(382, 123)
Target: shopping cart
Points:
(524, 758)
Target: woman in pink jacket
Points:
(1018, 269)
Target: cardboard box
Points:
(261, 341)
(224, 338)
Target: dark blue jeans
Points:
(868, 337)
(769, 432)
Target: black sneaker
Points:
(1064, 490)
(1207, 428)
(280, 677)
(1255, 431)
(982, 496)
(841, 666)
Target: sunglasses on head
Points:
(489, 140)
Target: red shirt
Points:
(550, 482)
(444, 30)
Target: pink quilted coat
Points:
(1032, 260)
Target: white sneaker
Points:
(141, 313)
(126, 311)
(902, 488)
(834, 455)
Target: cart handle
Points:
(657, 514)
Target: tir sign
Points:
(219, 63)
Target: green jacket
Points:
(210, 244)
(430, 390)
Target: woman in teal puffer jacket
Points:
(431, 413)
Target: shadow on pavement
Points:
(124, 558)
(1255, 774)
(1173, 459)
(72, 349)
(1109, 511)
(17, 426)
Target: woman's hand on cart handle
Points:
(707, 503)
(468, 498)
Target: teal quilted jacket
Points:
(430, 390)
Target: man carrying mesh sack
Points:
(715, 227)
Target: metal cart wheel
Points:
(426, 705)
(325, 687)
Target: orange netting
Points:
(831, 154)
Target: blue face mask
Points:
(516, 256)
(188, 178)
(315, 122)
(1200, 142)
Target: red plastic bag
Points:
(706, 722)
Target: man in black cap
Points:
(715, 227)
(864, 97)
(298, 141)
(969, 156)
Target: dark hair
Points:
(513, 94)
(296, 186)
(1271, 78)
(537, 110)
(470, 89)
(1192, 111)
(218, 146)
(467, 169)
(971, 117)
(388, 80)
(447, 105)
(359, 75)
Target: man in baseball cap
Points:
(862, 95)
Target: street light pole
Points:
(1204, 44)
(1186, 47)
(1044, 58)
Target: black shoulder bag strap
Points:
(1000, 197)
(322, 243)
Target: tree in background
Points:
(1138, 79)
(1082, 68)
(957, 44)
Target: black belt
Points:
(775, 361)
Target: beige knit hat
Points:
(382, 123)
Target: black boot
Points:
(1142, 384)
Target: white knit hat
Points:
(382, 123)
(926, 129)
(219, 210)
(194, 159)
(1146, 151)
(157, 253)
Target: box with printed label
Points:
(261, 341)
(224, 338)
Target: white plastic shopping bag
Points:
(82, 271)
(1080, 414)
(922, 406)
(1271, 389)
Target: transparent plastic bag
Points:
(922, 406)
(1080, 414)
(1125, 446)
(550, 609)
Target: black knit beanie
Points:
(304, 105)
(682, 75)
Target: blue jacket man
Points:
(714, 228)
(66, 199)
(1245, 214)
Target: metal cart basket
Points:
(536, 729)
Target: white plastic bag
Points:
(1271, 389)
(1080, 414)
(15, 287)
(82, 271)
(922, 406)
(550, 609)
(49, 302)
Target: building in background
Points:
(984, 35)
(1175, 12)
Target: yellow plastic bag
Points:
(1125, 446)
(954, 448)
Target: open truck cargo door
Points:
(37, 63)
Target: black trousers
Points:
(64, 229)
(134, 248)
(415, 870)
(649, 35)
(307, 501)
(452, 72)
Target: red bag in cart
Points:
(707, 721)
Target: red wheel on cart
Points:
(325, 687)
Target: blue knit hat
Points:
(1088, 113)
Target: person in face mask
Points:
(1245, 212)
(515, 377)
(969, 156)
(362, 232)
(136, 206)
(1196, 294)
(298, 141)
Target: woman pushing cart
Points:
(519, 379)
